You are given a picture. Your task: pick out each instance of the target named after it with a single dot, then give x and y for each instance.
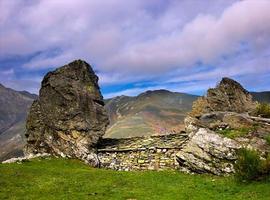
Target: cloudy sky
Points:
(137, 45)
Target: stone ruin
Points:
(141, 153)
(69, 120)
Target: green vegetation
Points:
(250, 166)
(234, 133)
(71, 179)
(263, 110)
(267, 138)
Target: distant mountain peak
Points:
(230, 84)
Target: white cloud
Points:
(134, 40)
(7, 72)
(204, 39)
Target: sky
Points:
(137, 45)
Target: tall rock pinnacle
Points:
(69, 117)
(229, 96)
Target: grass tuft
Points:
(250, 167)
(234, 133)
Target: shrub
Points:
(265, 166)
(267, 138)
(263, 109)
(247, 165)
(250, 167)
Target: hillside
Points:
(150, 113)
(71, 179)
(261, 96)
(14, 106)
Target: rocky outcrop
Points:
(218, 126)
(207, 152)
(220, 120)
(229, 96)
(69, 117)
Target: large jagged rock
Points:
(69, 117)
(226, 108)
(229, 96)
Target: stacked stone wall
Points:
(144, 153)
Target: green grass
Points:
(71, 179)
(234, 133)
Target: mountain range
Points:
(150, 113)
(14, 106)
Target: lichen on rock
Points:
(69, 117)
(207, 152)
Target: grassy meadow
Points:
(70, 179)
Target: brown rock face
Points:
(69, 117)
(229, 96)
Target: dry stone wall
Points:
(142, 153)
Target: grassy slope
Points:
(70, 179)
(150, 113)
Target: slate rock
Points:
(69, 117)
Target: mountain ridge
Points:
(14, 106)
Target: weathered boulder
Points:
(69, 117)
(208, 152)
(229, 96)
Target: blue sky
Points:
(137, 45)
